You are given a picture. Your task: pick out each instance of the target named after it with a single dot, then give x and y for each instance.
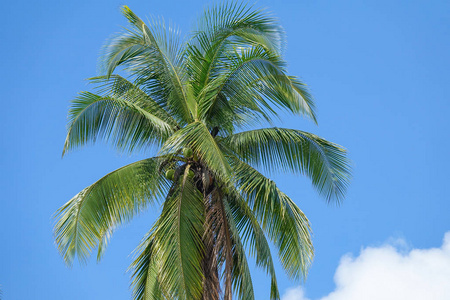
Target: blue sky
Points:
(379, 72)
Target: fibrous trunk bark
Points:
(217, 243)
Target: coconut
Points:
(195, 157)
(191, 174)
(187, 152)
(169, 174)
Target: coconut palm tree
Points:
(201, 106)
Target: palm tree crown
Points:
(194, 103)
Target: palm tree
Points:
(193, 103)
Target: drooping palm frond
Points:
(242, 280)
(124, 123)
(178, 242)
(88, 218)
(145, 271)
(253, 236)
(280, 217)
(117, 86)
(279, 149)
(239, 68)
(253, 80)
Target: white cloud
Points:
(390, 273)
(294, 294)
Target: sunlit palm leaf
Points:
(124, 123)
(117, 86)
(157, 63)
(230, 25)
(256, 79)
(279, 149)
(178, 242)
(145, 271)
(280, 217)
(253, 236)
(101, 207)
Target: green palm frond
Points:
(197, 136)
(279, 149)
(225, 26)
(242, 280)
(233, 21)
(123, 122)
(145, 271)
(254, 237)
(89, 217)
(117, 86)
(155, 56)
(255, 79)
(239, 68)
(262, 74)
(178, 241)
(280, 217)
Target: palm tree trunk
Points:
(211, 281)
(227, 249)
(216, 241)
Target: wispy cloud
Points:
(390, 272)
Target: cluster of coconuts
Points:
(188, 153)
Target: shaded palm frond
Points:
(261, 73)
